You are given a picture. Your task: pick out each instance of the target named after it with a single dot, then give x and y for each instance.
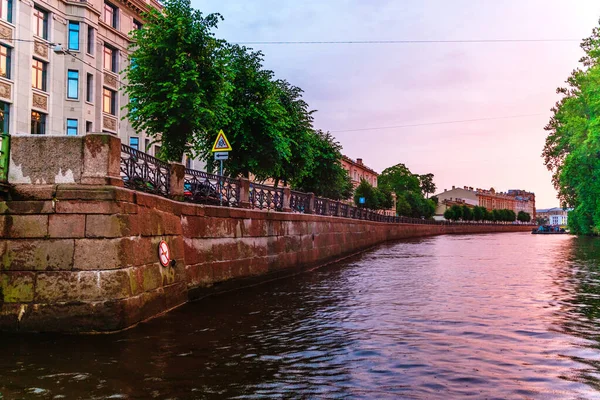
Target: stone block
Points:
(32, 192)
(145, 278)
(87, 207)
(111, 226)
(26, 207)
(99, 254)
(16, 287)
(37, 254)
(43, 159)
(101, 160)
(199, 275)
(23, 226)
(66, 225)
(52, 287)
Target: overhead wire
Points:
(436, 123)
(406, 41)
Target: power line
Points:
(438, 123)
(409, 41)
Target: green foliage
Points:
(573, 142)
(457, 212)
(427, 185)
(478, 213)
(541, 220)
(384, 197)
(522, 216)
(325, 176)
(364, 189)
(449, 214)
(467, 213)
(176, 77)
(410, 190)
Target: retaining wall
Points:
(82, 256)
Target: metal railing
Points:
(141, 171)
(4, 156)
(204, 188)
(299, 202)
(266, 197)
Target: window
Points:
(89, 93)
(5, 61)
(72, 84)
(137, 24)
(73, 35)
(38, 74)
(40, 23)
(111, 15)
(110, 58)
(4, 116)
(109, 101)
(72, 127)
(146, 145)
(38, 123)
(188, 162)
(6, 10)
(134, 142)
(90, 40)
(88, 126)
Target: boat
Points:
(549, 230)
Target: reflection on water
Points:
(484, 316)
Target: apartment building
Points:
(358, 170)
(516, 200)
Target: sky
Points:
(355, 87)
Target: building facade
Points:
(555, 216)
(516, 200)
(357, 171)
(60, 64)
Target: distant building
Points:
(555, 216)
(357, 171)
(516, 200)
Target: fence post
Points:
(245, 193)
(287, 195)
(101, 160)
(311, 203)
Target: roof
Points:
(363, 166)
(545, 210)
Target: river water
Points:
(480, 316)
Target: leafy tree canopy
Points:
(573, 142)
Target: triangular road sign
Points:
(221, 144)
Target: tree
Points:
(369, 193)
(457, 212)
(467, 213)
(496, 216)
(384, 197)
(399, 179)
(427, 185)
(478, 213)
(256, 121)
(541, 220)
(449, 214)
(176, 78)
(573, 143)
(325, 176)
(522, 216)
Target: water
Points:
(483, 316)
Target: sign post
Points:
(221, 150)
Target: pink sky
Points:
(376, 85)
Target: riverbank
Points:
(81, 258)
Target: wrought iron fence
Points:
(4, 156)
(266, 197)
(320, 205)
(299, 202)
(141, 171)
(202, 187)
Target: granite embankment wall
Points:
(79, 253)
